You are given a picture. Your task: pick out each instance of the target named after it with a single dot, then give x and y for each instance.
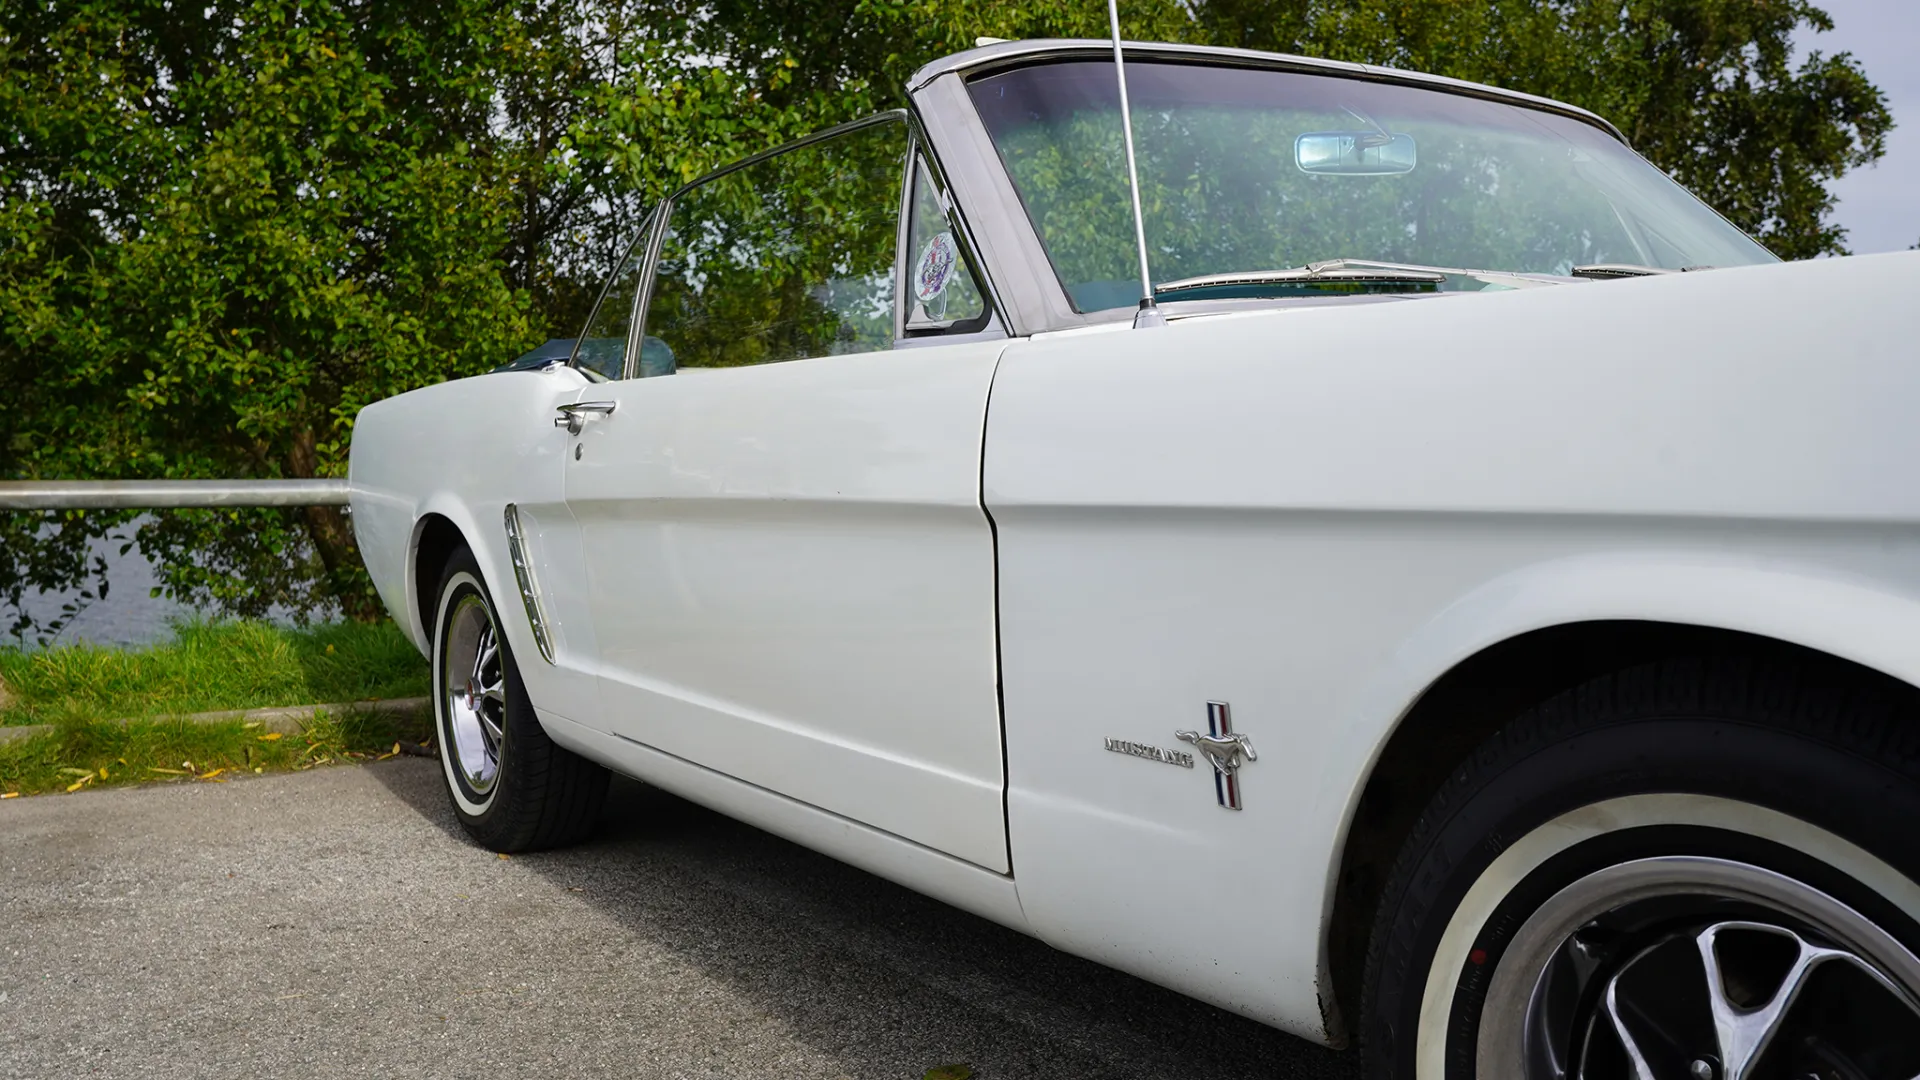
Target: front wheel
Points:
(512, 788)
(1694, 871)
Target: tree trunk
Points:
(332, 540)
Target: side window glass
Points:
(786, 258)
(603, 344)
(941, 292)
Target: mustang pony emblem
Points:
(1224, 749)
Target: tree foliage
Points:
(226, 225)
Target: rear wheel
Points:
(1695, 871)
(512, 788)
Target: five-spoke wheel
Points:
(1700, 969)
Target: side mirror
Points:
(1354, 153)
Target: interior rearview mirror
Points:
(1354, 153)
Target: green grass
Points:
(204, 667)
(93, 754)
(208, 666)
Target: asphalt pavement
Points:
(337, 923)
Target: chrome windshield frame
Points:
(1011, 54)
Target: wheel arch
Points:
(435, 539)
(1524, 638)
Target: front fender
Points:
(1867, 620)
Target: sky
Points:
(1880, 205)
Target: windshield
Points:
(1247, 170)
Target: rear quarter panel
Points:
(464, 450)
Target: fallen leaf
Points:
(211, 775)
(103, 775)
(80, 783)
(395, 752)
(504, 855)
(249, 725)
(170, 772)
(78, 772)
(949, 1072)
(329, 648)
(271, 736)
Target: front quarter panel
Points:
(1313, 514)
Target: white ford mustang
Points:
(1454, 630)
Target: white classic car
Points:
(1453, 629)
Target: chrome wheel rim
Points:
(1684, 968)
(474, 695)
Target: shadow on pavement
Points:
(886, 980)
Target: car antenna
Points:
(1149, 313)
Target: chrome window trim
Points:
(650, 234)
(924, 149)
(903, 237)
(655, 236)
(573, 358)
(1011, 54)
(1020, 280)
(920, 155)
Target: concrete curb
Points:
(288, 720)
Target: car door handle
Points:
(574, 417)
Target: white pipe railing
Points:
(168, 494)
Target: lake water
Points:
(128, 616)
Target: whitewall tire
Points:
(511, 787)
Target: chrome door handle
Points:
(574, 417)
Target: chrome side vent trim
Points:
(529, 590)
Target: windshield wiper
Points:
(1620, 270)
(1331, 271)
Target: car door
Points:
(792, 576)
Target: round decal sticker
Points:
(935, 268)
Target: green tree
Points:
(225, 228)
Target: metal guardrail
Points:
(168, 494)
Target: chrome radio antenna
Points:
(1149, 313)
